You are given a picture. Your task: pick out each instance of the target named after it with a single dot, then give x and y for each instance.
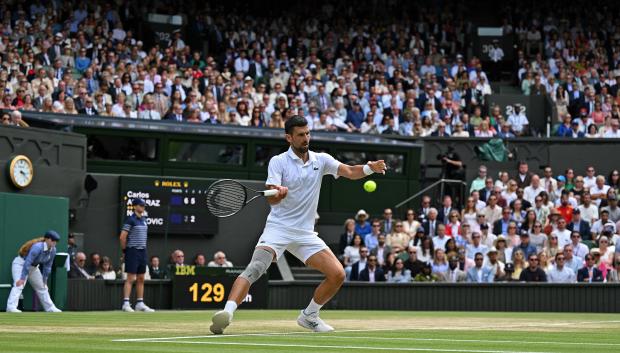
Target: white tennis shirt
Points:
(297, 210)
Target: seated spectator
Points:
(533, 273)
(362, 226)
(496, 266)
(94, 263)
(412, 263)
(199, 260)
(382, 250)
(589, 273)
(560, 273)
(518, 260)
(525, 245)
(398, 239)
(105, 270)
(360, 265)
(476, 246)
(155, 270)
(440, 263)
(219, 260)
(399, 274)
(177, 258)
(78, 267)
(346, 238)
(479, 273)
(579, 226)
(454, 274)
(372, 273)
(614, 274)
(426, 275)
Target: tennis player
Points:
(297, 175)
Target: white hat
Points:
(361, 213)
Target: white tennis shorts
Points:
(302, 245)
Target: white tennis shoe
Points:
(54, 310)
(220, 320)
(13, 310)
(143, 307)
(313, 322)
(127, 308)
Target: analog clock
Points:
(21, 171)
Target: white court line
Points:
(394, 349)
(466, 340)
(492, 327)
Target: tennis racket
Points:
(226, 197)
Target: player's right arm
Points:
(274, 181)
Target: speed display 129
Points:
(175, 205)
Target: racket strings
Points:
(226, 198)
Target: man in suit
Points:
(156, 271)
(372, 273)
(360, 265)
(38, 101)
(422, 212)
(487, 191)
(321, 99)
(524, 177)
(444, 211)
(578, 225)
(387, 221)
(381, 251)
(176, 113)
(88, 108)
(431, 223)
(479, 273)
(589, 273)
(454, 273)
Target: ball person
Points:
(297, 175)
(133, 244)
(34, 264)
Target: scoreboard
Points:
(173, 205)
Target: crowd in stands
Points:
(101, 267)
(559, 228)
(572, 58)
(406, 75)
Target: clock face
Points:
(21, 171)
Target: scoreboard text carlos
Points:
(195, 287)
(177, 206)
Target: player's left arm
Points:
(360, 171)
(46, 269)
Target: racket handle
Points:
(268, 193)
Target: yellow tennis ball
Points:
(370, 186)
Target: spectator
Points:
(426, 275)
(440, 240)
(561, 273)
(454, 274)
(382, 250)
(525, 245)
(105, 270)
(177, 258)
(156, 271)
(78, 267)
(362, 227)
(614, 273)
(371, 240)
(493, 212)
(200, 260)
(346, 238)
(479, 182)
(440, 263)
(410, 224)
(16, 119)
(496, 266)
(426, 250)
(412, 263)
(533, 273)
(94, 263)
(72, 247)
(372, 273)
(612, 208)
(399, 274)
(562, 233)
(501, 226)
(360, 265)
(589, 273)
(219, 260)
(479, 273)
(570, 260)
(476, 247)
(579, 226)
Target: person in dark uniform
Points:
(133, 244)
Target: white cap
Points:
(361, 213)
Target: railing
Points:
(457, 192)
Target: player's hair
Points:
(24, 249)
(293, 122)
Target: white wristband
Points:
(367, 170)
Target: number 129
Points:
(212, 293)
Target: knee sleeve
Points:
(261, 260)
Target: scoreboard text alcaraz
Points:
(173, 205)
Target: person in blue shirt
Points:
(34, 263)
(133, 244)
(362, 226)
